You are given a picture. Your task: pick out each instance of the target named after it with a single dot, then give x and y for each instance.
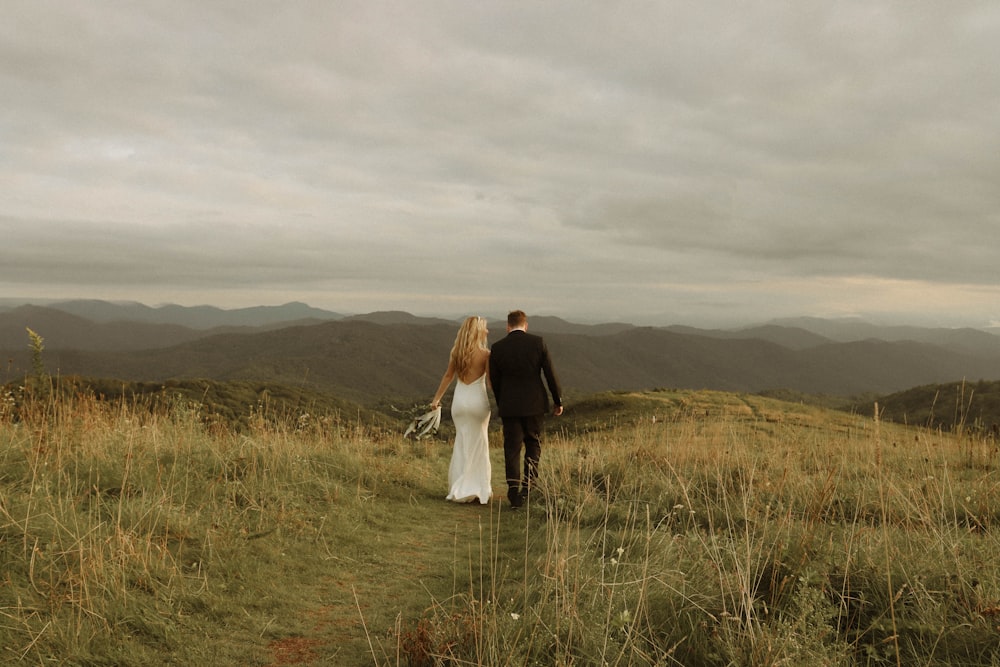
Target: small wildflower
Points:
(515, 616)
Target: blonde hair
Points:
(470, 339)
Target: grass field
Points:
(669, 528)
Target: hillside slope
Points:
(369, 362)
(952, 406)
(68, 331)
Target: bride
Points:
(469, 473)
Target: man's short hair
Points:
(516, 318)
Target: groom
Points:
(517, 364)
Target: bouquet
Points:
(426, 423)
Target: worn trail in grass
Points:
(395, 566)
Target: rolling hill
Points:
(398, 357)
(193, 317)
(969, 406)
(63, 330)
(974, 341)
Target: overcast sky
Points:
(662, 162)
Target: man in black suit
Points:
(517, 364)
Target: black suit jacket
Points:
(517, 364)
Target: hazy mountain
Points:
(541, 324)
(105, 328)
(357, 360)
(368, 362)
(791, 337)
(399, 317)
(62, 330)
(392, 355)
(975, 341)
(553, 325)
(194, 317)
(644, 358)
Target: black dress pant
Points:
(518, 432)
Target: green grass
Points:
(670, 527)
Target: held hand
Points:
(558, 411)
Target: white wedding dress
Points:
(469, 473)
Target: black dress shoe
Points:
(516, 499)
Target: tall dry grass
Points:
(749, 532)
(696, 529)
(130, 533)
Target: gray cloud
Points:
(640, 161)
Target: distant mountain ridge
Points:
(102, 325)
(396, 355)
(977, 341)
(401, 357)
(63, 330)
(397, 317)
(791, 337)
(194, 317)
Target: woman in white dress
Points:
(469, 473)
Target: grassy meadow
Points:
(668, 528)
